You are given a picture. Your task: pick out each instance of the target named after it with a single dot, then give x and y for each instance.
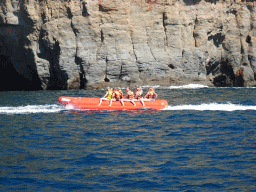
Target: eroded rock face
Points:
(72, 44)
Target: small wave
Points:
(211, 107)
(54, 108)
(189, 86)
(243, 87)
(154, 86)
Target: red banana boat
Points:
(92, 103)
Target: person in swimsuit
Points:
(121, 93)
(116, 96)
(129, 96)
(138, 95)
(151, 95)
(107, 96)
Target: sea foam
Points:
(54, 108)
(211, 107)
(189, 86)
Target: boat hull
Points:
(92, 103)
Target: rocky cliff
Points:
(71, 44)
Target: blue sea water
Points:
(203, 141)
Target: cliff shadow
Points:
(84, 11)
(227, 78)
(58, 77)
(83, 80)
(193, 2)
(11, 80)
(16, 68)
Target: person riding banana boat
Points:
(107, 96)
(121, 93)
(129, 96)
(116, 96)
(151, 95)
(138, 95)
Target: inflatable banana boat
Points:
(92, 103)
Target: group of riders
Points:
(116, 94)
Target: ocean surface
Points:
(203, 141)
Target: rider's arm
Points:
(155, 95)
(135, 95)
(105, 95)
(146, 96)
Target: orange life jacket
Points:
(121, 94)
(117, 95)
(150, 95)
(130, 95)
(138, 95)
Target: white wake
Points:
(28, 109)
(190, 86)
(54, 108)
(211, 107)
